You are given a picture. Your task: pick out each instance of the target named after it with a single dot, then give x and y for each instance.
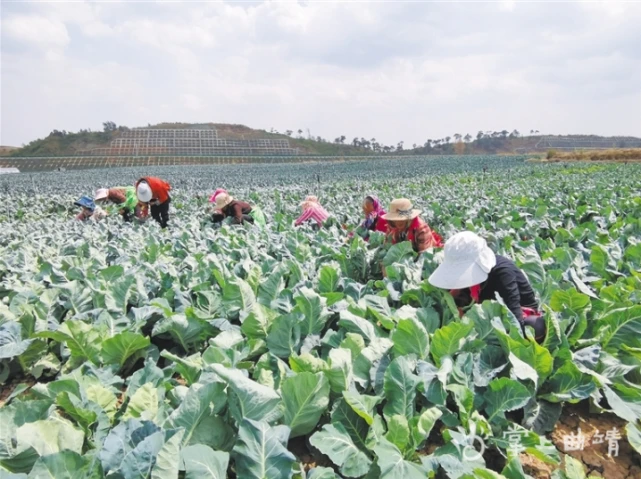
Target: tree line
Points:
(450, 144)
(60, 142)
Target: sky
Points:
(393, 71)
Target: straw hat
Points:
(223, 200)
(401, 209)
(101, 194)
(311, 201)
(467, 261)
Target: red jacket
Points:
(420, 234)
(159, 188)
(380, 225)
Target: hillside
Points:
(63, 143)
(6, 150)
(504, 143)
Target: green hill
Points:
(64, 143)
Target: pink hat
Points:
(212, 198)
(101, 194)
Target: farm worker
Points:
(312, 212)
(239, 211)
(219, 191)
(155, 192)
(89, 210)
(473, 273)
(217, 215)
(405, 224)
(374, 220)
(122, 196)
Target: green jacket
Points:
(122, 197)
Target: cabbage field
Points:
(203, 351)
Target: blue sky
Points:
(390, 70)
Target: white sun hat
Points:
(143, 192)
(101, 194)
(467, 262)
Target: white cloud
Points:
(36, 30)
(395, 71)
(191, 102)
(508, 5)
(167, 35)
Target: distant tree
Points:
(515, 134)
(447, 139)
(300, 133)
(288, 132)
(342, 139)
(459, 147)
(479, 135)
(414, 146)
(399, 147)
(457, 137)
(504, 133)
(108, 126)
(356, 142)
(468, 138)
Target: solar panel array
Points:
(188, 142)
(168, 133)
(216, 151)
(197, 143)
